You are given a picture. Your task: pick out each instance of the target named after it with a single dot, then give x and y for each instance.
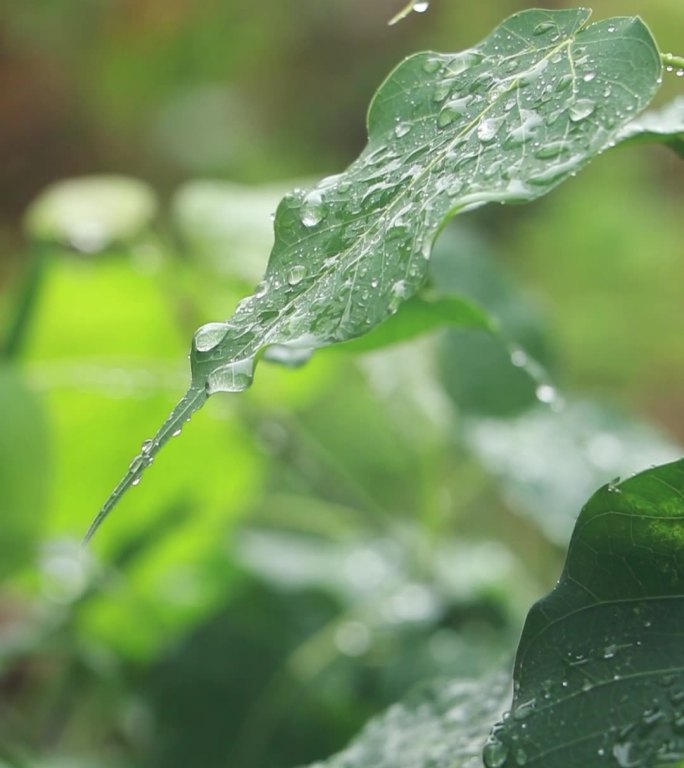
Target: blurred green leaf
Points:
(93, 213)
(596, 443)
(598, 674)
(488, 374)
(227, 227)
(439, 724)
(420, 314)
(26, 470)
(349, 251)
(116, 373)
(665, 126)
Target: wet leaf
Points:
(442, 724)
(505, 121)
(598, 675)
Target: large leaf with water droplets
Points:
(441, 724)
(505, 121)
(599, 674)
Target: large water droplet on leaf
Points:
(232, 377)
(209, 336)
(581, 109)
(313, 210)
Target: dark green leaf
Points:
(599, 674)
(505, 121)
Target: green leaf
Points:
(227, 227)
(665, 126)
(25, 470)
(599, 674)
(91, 214)
(505, 121)
(419, 315)
(442, 724)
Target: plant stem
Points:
(13, 344)
(671, 61)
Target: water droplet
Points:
(563, 82)
(209, 336)
(420, 6)
(534, 73)
(399, 293)
(524, 710)
(453, 110)
(441, 92)
(288, 355)
(581, 109)
(431, 65)
(609, 651)
(679, 73)
(402, 129)
(589, 77)
(543, 28)
(488, 128)
(626, 754)
(555, 172)
(530, 121)
(296, 274)
(454, 188)
(550, 150)
(261, 290)
(313, 211)
(546, 393)
(611, 28)
(146, 447)
(495, 753)
(463, 61)
(233, 377)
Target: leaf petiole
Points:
(670, 62)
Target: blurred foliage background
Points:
(307, 551)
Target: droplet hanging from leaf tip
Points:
(417, 6)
